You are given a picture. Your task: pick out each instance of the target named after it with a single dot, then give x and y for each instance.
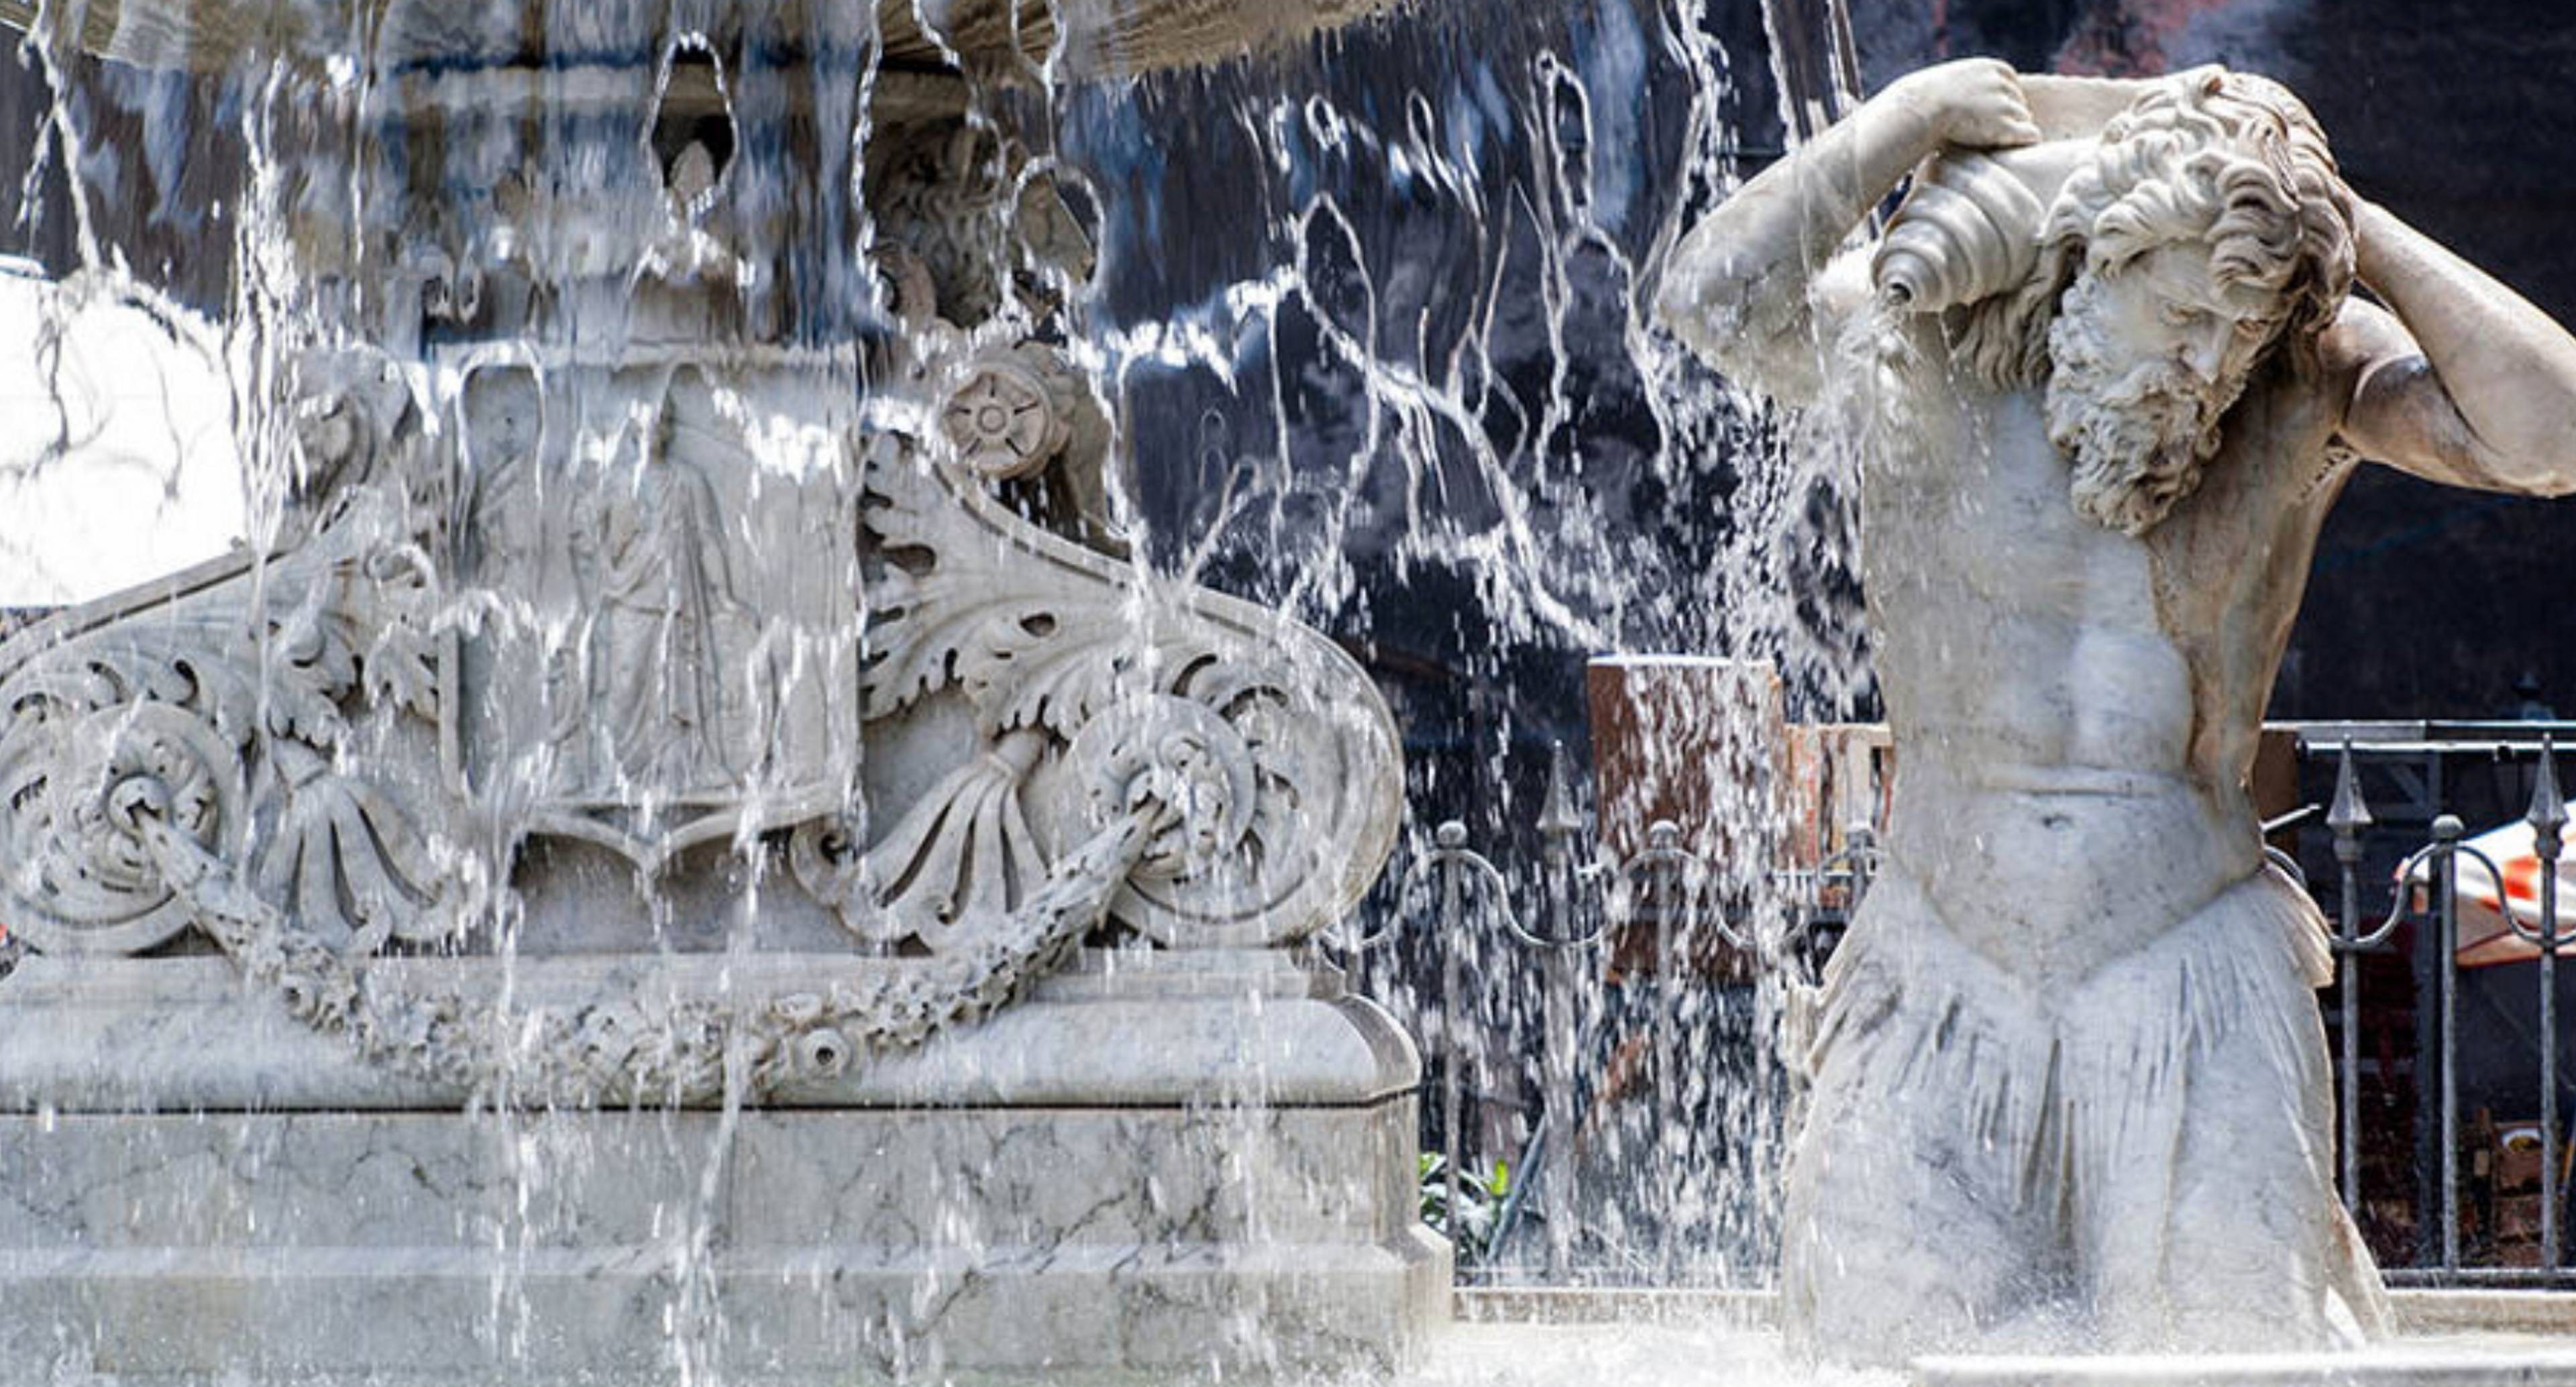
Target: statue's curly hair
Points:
(2224, 158)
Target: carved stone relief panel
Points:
(664, 559)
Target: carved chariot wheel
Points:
(74, 793)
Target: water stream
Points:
(1362, 317)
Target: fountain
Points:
(685, 843)
(710, 834)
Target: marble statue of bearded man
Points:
(2104, 374)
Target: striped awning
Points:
(2485, 937)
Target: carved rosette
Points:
(1008, 415)
(75, 789)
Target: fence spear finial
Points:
(2350, 813)
(2548, 814)
(1558, 818)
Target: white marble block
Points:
(1241, 1200)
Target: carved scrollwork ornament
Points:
(1054, 645)
(827, 860)
(1184, 757)
(451, 287)
(81, 877)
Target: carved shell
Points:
(1969, 229)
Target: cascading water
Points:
(553, 322)
(1409, 393)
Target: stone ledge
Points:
(2409, 1365)
(2420, 1312)
(2485, 1312)
(1578, 1305)
(485, 1319)
(993, 1180)
(186, 1035)
(1681, 1353)
(780, 1246)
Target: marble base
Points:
(1670, 1349)
(2401, 1365)
(963, 1215)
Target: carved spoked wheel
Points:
(1003, 420)
(75, 792)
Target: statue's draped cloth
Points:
(2163, 1126)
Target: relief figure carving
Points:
(668, 698)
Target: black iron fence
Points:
(2427, 1049)
(1614, 1176)
(2463, 1020)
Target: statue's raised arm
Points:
(1749, 286)
(2460, 380)
(1762, 285)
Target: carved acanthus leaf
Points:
(1029, 648)
(397, 600)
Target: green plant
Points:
(1480, 1204)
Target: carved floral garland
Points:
(1233, 796)
(631, 1050)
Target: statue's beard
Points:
(2139, 433)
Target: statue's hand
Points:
(1974, 103)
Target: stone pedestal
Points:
(1161, 1163)
(692, 850)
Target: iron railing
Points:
(1468, 885)
(1664, 886)
(2427, 885)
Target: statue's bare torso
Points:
(2077, 721)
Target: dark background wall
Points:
(2455, 115)
(2425, 602)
